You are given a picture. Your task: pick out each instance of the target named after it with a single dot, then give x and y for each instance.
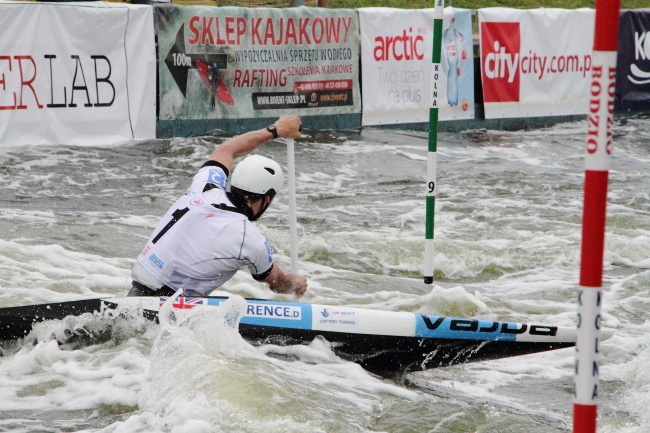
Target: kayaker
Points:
(206, 236)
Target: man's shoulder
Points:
(242, 222)
(247, 232)
(214, 163)
(211, 174)
(237, 237)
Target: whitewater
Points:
(507, 247)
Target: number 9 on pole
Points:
(432, 187)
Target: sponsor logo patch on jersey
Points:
(217, 177)
(269, 250)
(156, 261)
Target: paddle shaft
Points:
(293, 220)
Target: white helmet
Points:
(258, 175)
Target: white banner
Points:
(76, 73)
(535, 62)
(396, 48)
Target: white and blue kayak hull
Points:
(384, 342)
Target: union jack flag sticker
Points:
(183, 303)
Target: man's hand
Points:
(281, 281)
(289, 126)
(299, 284)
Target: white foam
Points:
(203, 373)
(507, 247)
(41, 273)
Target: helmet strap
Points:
(262, 210)
(238, 198)
(242, 204)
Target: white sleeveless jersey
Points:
(198, 247)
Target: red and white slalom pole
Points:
(599, 143)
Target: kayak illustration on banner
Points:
(209, 67)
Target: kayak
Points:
(383, 342)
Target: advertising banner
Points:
(535, 62)
(77, 74)
(233, 62)
(396, 48)
(633, 62)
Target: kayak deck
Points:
(383, 342)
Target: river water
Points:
(507, 247)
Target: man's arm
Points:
(287, 126)
(281, 281)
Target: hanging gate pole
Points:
(432, 188)
(599, 141)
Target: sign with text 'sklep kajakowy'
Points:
(231, 62)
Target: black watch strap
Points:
(273, 130)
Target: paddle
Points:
(293, 223)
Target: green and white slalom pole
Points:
(432, 188)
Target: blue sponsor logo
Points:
(217, 177)
(275, 314)
(471, 329)
(333, 316)
(275, 311)
(156, 261)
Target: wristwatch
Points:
(273, 130)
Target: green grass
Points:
(472, 4)
(418, 4)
